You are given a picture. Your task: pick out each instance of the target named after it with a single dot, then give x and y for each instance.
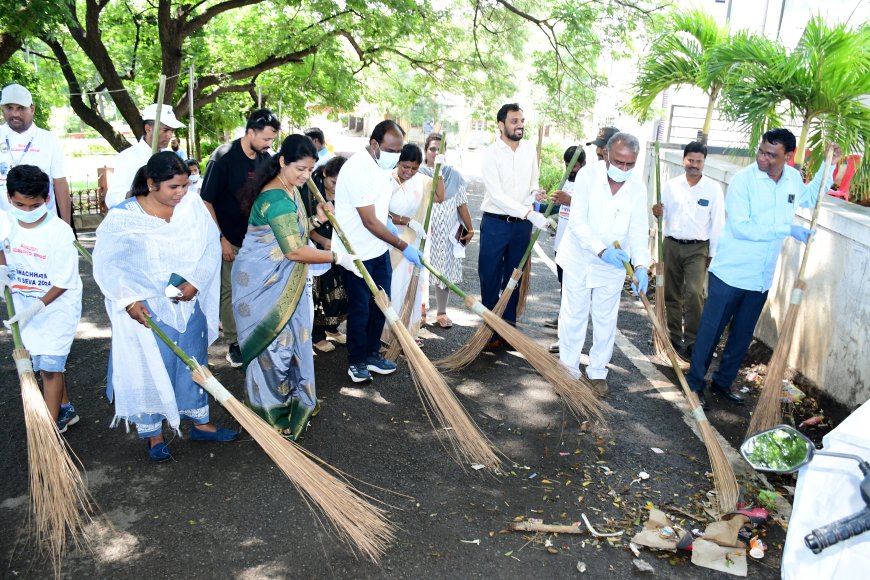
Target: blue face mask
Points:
(29, 217)
(617, 174)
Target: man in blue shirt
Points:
(760, 207)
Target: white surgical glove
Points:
(24, 316)
(5, 280)
(346, 261)
(439, 159)
(541, 221)
(418, 229)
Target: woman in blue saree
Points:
(272, 301)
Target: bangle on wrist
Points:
(129, 306)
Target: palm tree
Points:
(681, 56)
(819, 84)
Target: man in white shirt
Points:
(362, 204)
(609, 205)
(510, 175)
(131, 159)
(23, 143)
(693, 208)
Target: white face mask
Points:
(617, 174)
(387, 160)
(29, 217)
(194, 178)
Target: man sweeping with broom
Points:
(760, 207)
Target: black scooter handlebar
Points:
(843, 529)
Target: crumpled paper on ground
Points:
(724, 532)
(708, 554)
(650, 535)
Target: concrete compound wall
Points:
(831, 343)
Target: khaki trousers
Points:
(685, 273)
(228, 322)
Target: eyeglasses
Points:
(264, 120)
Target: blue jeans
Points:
(365, 321)
(502, 245)
(724, 304)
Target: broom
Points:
(356, 521)
(478, 341)
(660, 348)
(723, 475)
(576, 391)
(440, 404)
(768, 410)
(59, 500)
(408, 305)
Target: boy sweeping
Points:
(40, 266)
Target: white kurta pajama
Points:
(589, 284)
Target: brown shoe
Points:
(600, 387)
(444, 321)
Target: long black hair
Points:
(161, 167)
(294, 148)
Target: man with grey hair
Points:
(612, 208)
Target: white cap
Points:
(16, 95)
(167, 115)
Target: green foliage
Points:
(552, 166)
(15, 70)
(819, 84)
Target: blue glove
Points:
(642, 281)
(412, 254)
(392, 227)
(801, 234)
(615, 257)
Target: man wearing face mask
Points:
(611, 207)
(362, 205)
(510, 175)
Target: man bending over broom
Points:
(41, 268)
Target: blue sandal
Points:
(221, 435)
(159, 452)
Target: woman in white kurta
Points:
(408, 207)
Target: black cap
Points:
(604, 135)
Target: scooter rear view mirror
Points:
(782, 449)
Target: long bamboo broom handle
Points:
(660, 279)
(829, 158)
(10, 308)
(84, 252)
(161, 90)
(669, 348)
(435, 174)
(335, 225)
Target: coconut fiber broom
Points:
(768, 410)
(475, 345)
(60, 506)
(661, 348)
(408, 305)
(444, 410)
(575, 391)
(723, 475)
(357, 522)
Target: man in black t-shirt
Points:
(230, 168)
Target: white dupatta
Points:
(134, 256)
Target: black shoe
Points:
(726, 393)
(234, 355)
(702, 399)
(554, 323)
(554, 348)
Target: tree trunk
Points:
(708, 118)
(801, 152)
(8, 45)
(171, 36)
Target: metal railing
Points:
(86, 202)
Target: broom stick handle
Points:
(444, 279)
(663, 337)
(829, 158)
(659, 232)
(84, 252)
(10, 308)
(331, 217)
(435, 174)
(161, 90)
(174, 347)
(549, 210)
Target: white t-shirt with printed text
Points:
(38, 259)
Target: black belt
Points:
(686, 242)
(504, 218)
